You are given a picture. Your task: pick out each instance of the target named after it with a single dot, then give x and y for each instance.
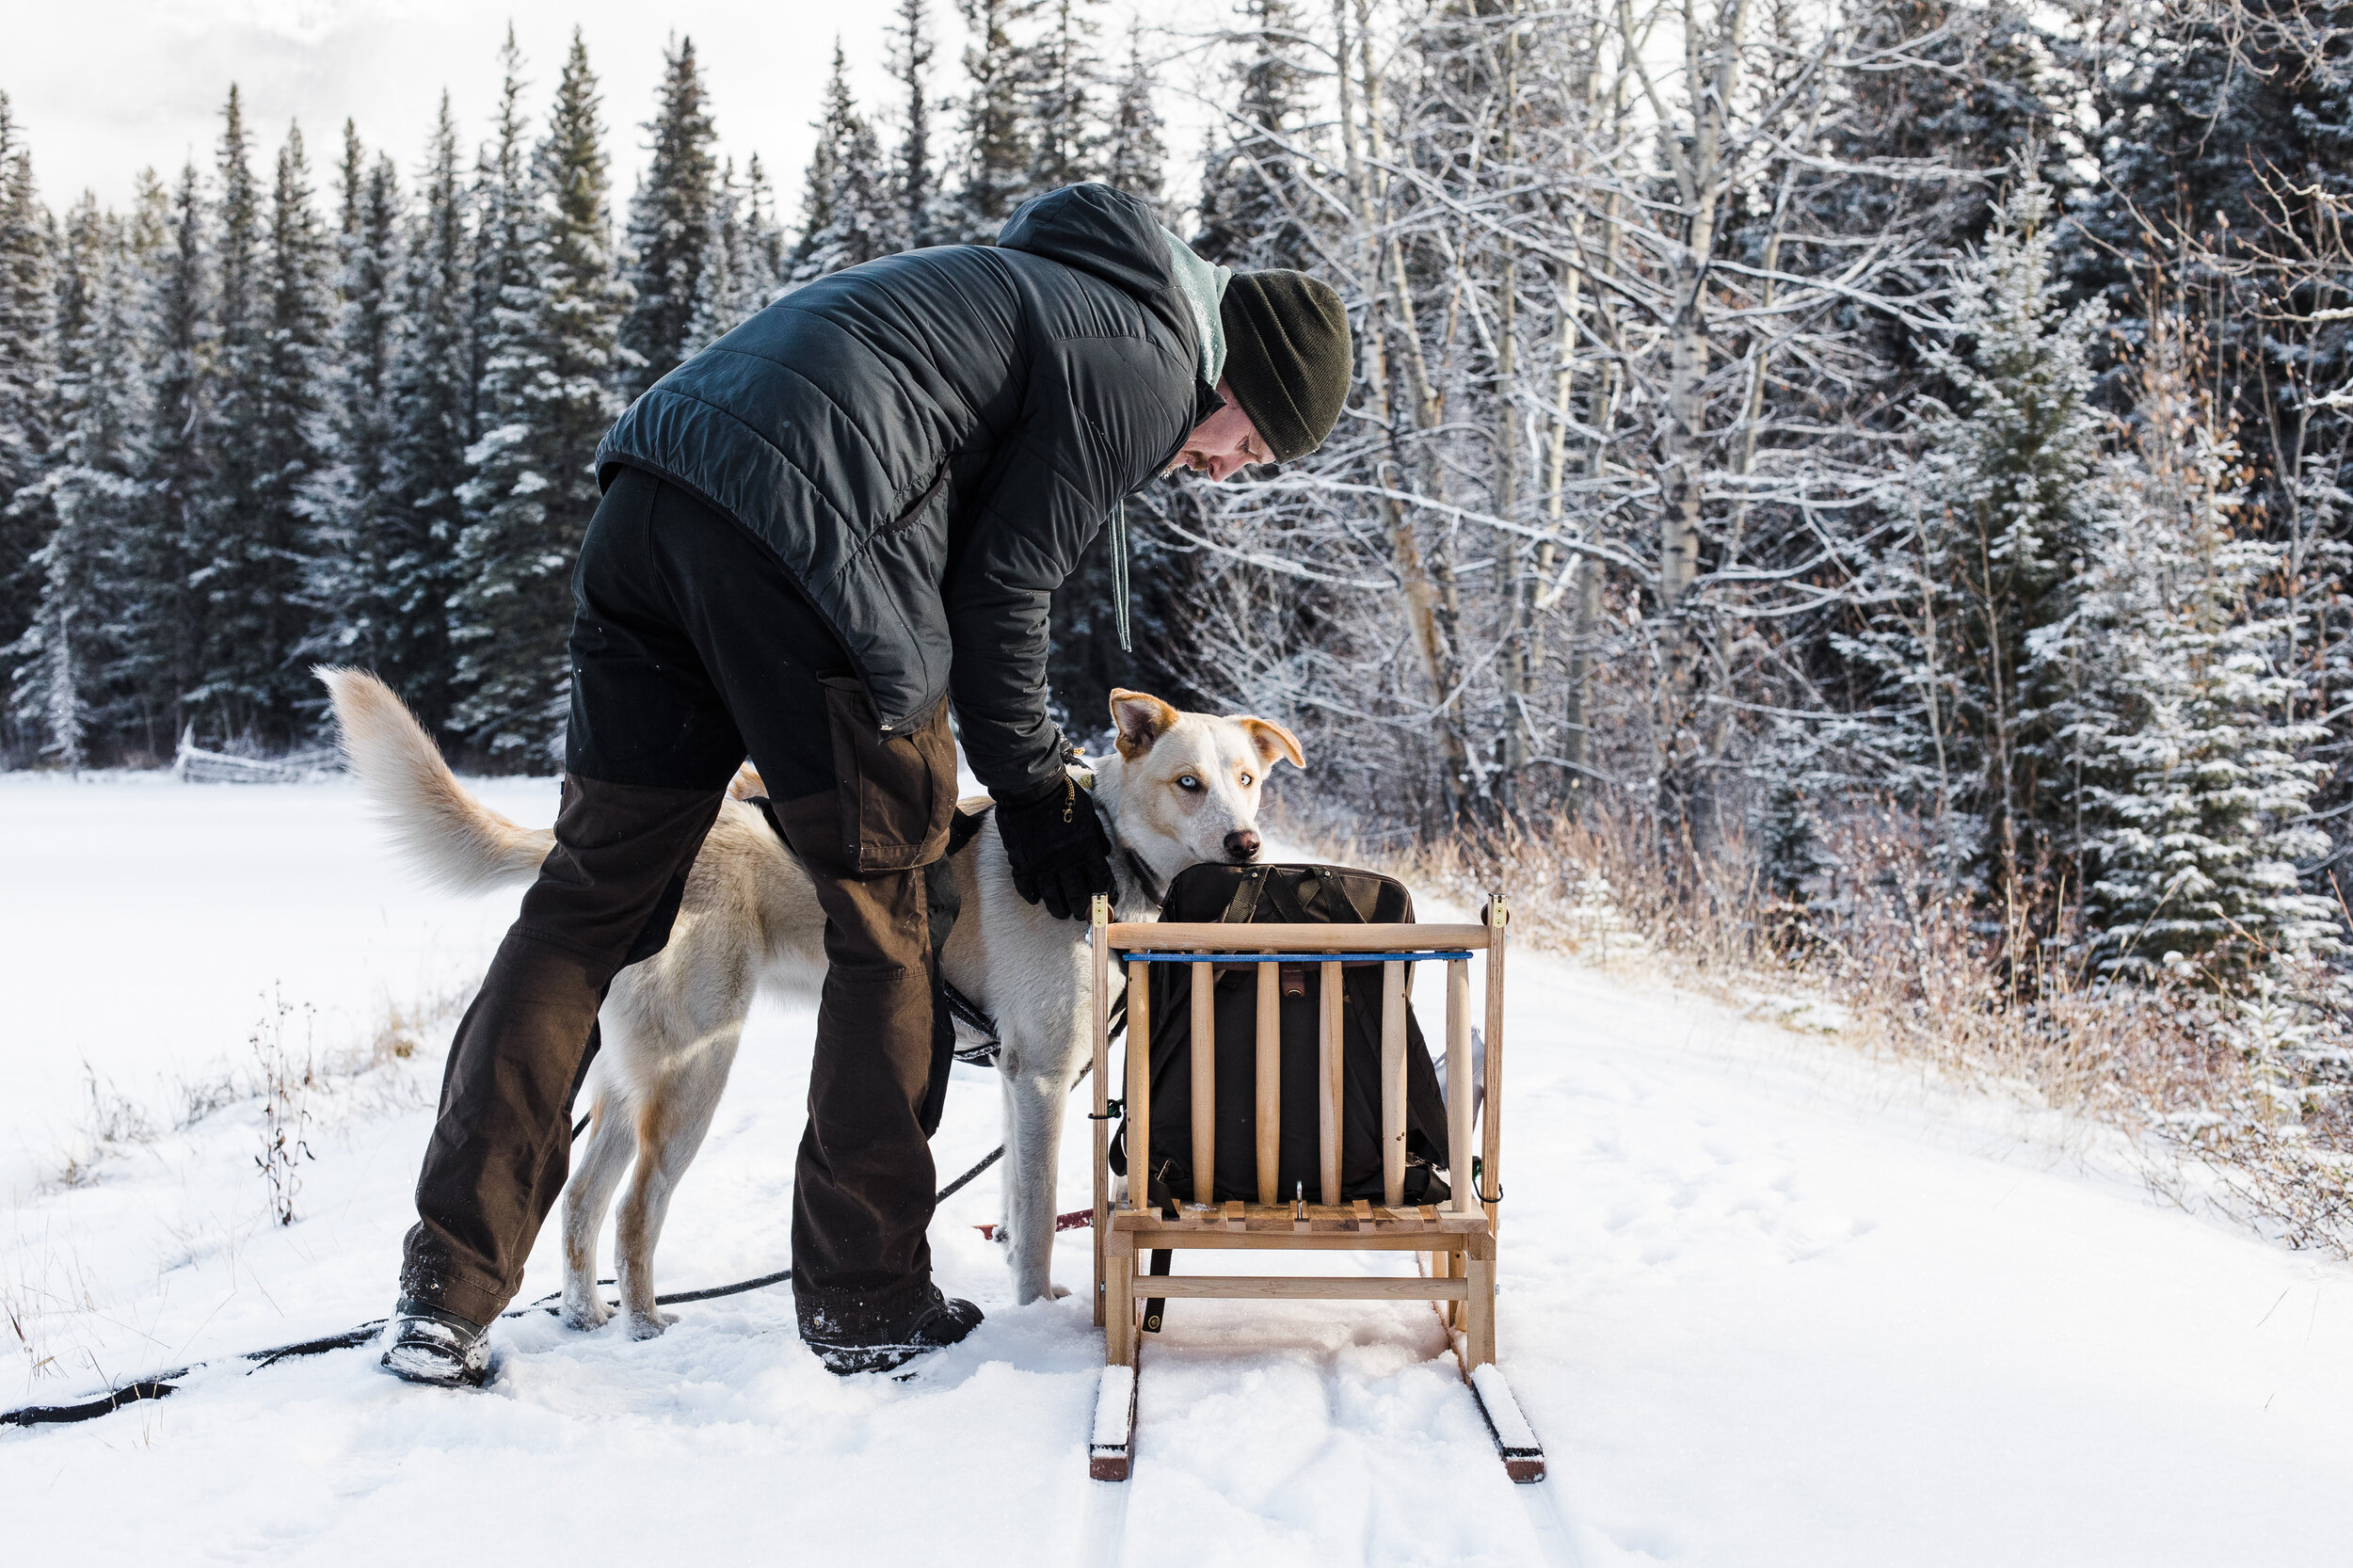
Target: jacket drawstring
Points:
(1119, 572)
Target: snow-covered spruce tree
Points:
(501, 541)
(819, 182)
(160, 607)
(498, 208)
(27, 372)
(730, 288)
(358, 534)
(299, 442)
(764, 232)
(994, 154)
(2194, 778)
(669, 220)
(1981, 86)
(235, 249)
(2198, 109)
(28, 517)
(1065, 142)
(117, 482)
(923, 219)
(548, 399)
(1249, 626)
(1135, 157)
(1983, 93)
(225, 700)
(257, 563)
(2008, 506)
(1789, 845)
(432, 418)
(50, 699)
(740, 262)
(1085, 660)
(847, 215)
(1256, 198)
(2224, 135)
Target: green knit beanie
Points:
(1287, 357)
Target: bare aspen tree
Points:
(1600, 455)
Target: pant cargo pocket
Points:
(897, 792)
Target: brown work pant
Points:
(690, 648)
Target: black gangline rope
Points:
(163, 1384)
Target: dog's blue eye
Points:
(1245, 781)
(1188, 782)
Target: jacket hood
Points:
(1111, 235)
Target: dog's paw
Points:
(648, 1325)
(588, 1316)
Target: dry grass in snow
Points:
(2242, 1101)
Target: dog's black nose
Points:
(1242, 844)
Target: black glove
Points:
(1057, 849)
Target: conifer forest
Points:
(1874, 475)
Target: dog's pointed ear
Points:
(1273, 741)
(1141, 719)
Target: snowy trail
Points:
(1767, 1302)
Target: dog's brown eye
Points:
(1188, 782)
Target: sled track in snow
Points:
(1104, 1528)
(1102, 1535)
(1548, 1521)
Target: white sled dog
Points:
(1183, 788)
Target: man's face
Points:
(1222, 444)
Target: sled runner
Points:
(1457, 1231)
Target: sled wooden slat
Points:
(1478, 1332)
(1458, 1076)
(1099, 959)
(1269, 1121)
(1183, 936)
(1192, 1220)
(1225, 1238)
(1392, 1084)
(1203, 1083)
(1119, 1323)
(1459, 1237)
(1329, 1084)
(1491, 1164)
(1310, 1288)
(1139, 1085)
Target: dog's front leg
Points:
(1033, 1117)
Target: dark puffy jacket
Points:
(928, 442)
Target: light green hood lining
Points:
(1203, 284)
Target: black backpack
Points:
(1300, 895)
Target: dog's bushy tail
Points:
(454, 840)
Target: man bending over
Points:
(815, 535)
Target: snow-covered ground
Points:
(1766, 1302)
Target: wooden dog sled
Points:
(1458, 1238)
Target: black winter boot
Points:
(934, 1324)
(436, 1347)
